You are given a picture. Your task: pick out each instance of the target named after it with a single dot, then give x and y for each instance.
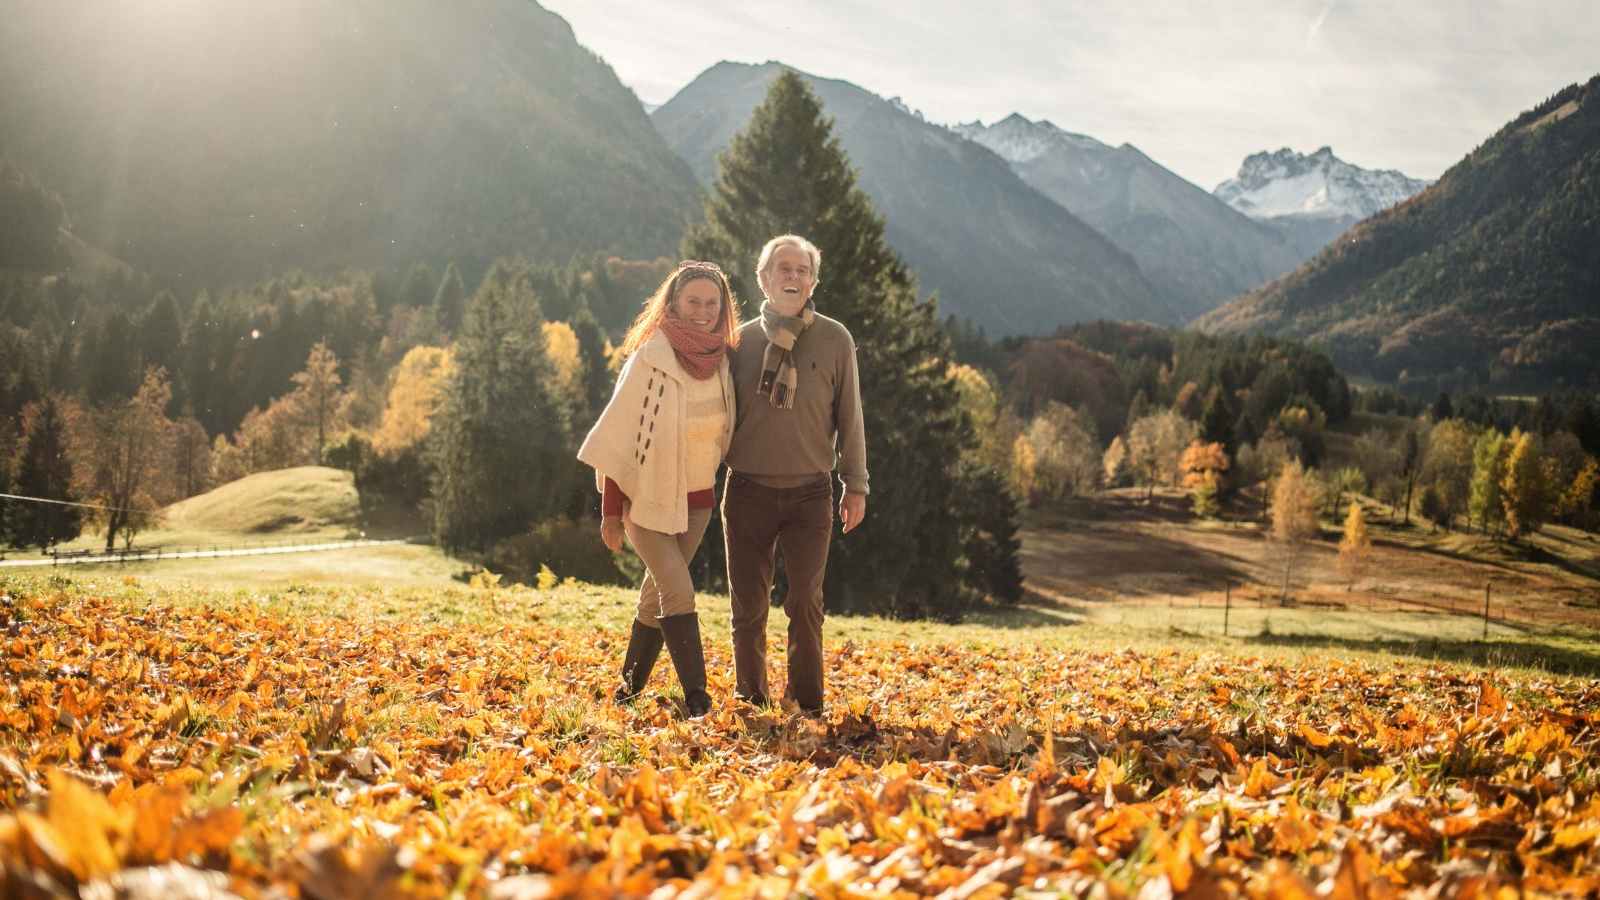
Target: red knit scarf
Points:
(699, 352)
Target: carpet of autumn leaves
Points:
(217, 748)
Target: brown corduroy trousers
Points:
(757, 520)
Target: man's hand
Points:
(611, 532)
(852, 509)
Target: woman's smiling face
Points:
(699, 303)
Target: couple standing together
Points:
(778, 399)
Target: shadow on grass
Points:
(1539, 554)
(1494, 653)
(1155, 565)
(1506, 556)
(1034, 611)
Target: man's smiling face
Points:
(789, 279)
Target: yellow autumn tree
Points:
(1115, 462)
(994, 429)
(561, 346)
(1522, 487)
(317, 399)
(1024, 466)
(1575, 501)
(418, 381)
(1203, 465)
(1295, 500)
(1355, 546)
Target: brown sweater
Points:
(784, 446)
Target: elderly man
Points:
(799, 415)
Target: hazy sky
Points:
(1411, 85)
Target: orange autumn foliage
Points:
(215, 740)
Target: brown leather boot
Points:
(644, 646)
(682, 635)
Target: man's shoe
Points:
(682, 634)
(644, 646)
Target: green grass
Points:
(1274, 632)
(421, 583)
(401, 565)
(307, 497)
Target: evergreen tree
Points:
(1431, 506)
(450, 301)
(992, 544)
(420, 286)
(112, 361)
(1216, 421)
(160, 335)
(196, 371)
(21, 377)
(787, 173)
(44, 470)
(597, 376)
(500, 444)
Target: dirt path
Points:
(1118, 550)
(147, 556)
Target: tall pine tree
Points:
(450, 301)
(45, 471)
(160, 334)
(113, 360)
(500, 445)
(597, 377)
(786, 172)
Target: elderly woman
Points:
(655, 450)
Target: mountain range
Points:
(214, 149)
(1311, 199)
(223, 142)
(974, 228)
(996, 251)
(1494, 269)
(1195, 248)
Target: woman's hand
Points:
(611, 532)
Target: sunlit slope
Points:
(302, 499)
(222, 141)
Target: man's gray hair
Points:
(791, 240)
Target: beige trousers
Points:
(667, 589)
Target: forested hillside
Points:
(1490, 276)
(227, 142)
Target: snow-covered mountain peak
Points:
(1016, 139)
(1321, 185)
